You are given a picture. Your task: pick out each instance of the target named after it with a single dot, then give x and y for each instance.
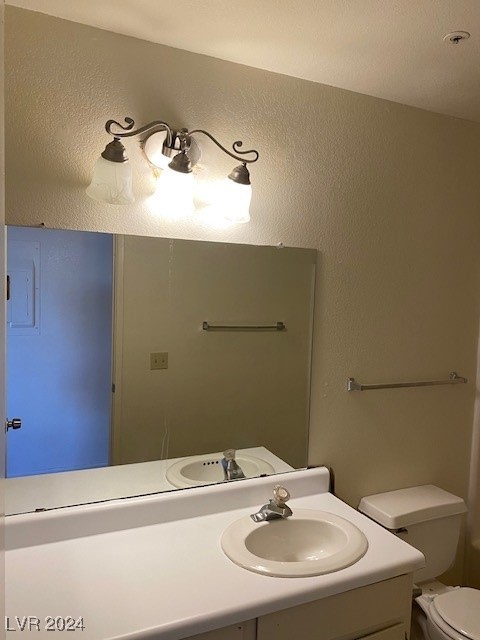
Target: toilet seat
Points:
(457, 613)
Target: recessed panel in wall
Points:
(23, 305)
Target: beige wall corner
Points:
(472, 550)
(2, 334)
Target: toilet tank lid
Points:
(404, 507)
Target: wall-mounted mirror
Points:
(135, 362)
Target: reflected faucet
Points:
(231, 468)
(276, 508)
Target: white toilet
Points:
(429, 519)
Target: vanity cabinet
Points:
(380, 611)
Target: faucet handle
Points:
(229, 454)
(280, 495)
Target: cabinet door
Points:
(242, 631)
(346, 616)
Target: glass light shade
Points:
(111, 182)
(175, 193)
(235, 200)
(160, 160)
(153, 149)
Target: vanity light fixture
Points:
(112, 175)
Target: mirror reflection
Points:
(141, 364)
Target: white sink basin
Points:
(308, 543)
(207, 469)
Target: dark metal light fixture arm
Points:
(128, 130)
(235, 147)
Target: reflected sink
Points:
(207, 469)
(309, 543)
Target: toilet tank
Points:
(426, 517)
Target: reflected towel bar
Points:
(278, 326)
(454, 378)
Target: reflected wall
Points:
(235, 388)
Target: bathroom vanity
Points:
(153, 567)
(378, 612)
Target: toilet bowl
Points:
(429, 519)
(447, 613)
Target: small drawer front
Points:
(397, 632)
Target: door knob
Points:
(14, 423)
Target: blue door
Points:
(59, 349)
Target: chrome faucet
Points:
(231, 468)
(276, 508)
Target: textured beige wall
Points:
(388, 194)
(221, 389)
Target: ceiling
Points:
(391, 49)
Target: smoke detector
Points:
(456, 37)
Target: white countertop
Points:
(153, 567)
